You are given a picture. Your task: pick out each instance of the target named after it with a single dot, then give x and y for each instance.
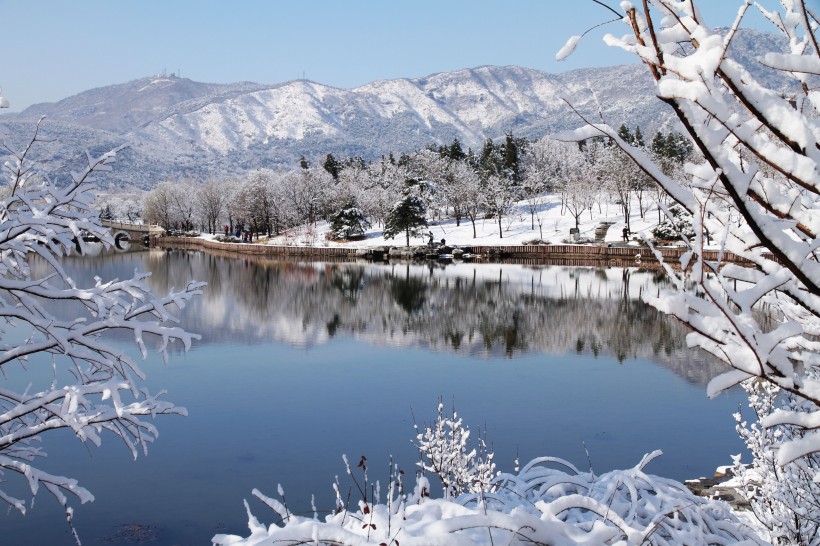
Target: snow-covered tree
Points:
(618, 174)
(125, 204)
(262, 204)
(210, 200)
(540, 169)
(128, 208)
(423, 171)
(303, 196)
(183, 205)
(578, 178)
(380, 187)
(158, 205)
(756, 192)
(466, 190)
(170, 204)
(348, 222)
(785, 499)
(93, 388)
(500, 195)
(670, 153)
(408, 215)
(348, 187)
(234, 207)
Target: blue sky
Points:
(52, 49)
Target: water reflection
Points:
(484, 310)
(302, 362)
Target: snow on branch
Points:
(94, 385)
(756, 192)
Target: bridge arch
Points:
(123, 232)
(122, 240)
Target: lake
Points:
(301, 362)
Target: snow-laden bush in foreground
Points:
(538, 505)
(548, 501)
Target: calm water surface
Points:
(302, 362)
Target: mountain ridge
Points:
(176, 127)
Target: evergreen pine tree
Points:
(637, 140)
(487, 161)
(332, 166)
(471, 159)
(624, 134)
(455, 152)
(349, 222)
(357, 162)
(511, 157)
(407, 215)
(659, 145)
(678, 147)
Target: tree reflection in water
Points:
(474, 309)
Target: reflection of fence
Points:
(233, 254)
(262, 250)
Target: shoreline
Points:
(564, 254)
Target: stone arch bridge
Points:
(132, 233)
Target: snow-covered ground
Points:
(516, 228)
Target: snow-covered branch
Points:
(93, 385)
(757, 193)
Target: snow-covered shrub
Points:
(348, 223)
(538, 505)
(784, 498)
(445, 451)
(578, 241)
(676, 226)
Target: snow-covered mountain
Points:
(177, 127)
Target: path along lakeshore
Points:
(581, 255)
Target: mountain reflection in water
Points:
(476, 309)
